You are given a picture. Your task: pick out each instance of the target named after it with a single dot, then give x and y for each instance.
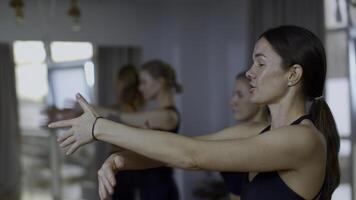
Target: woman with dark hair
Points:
(296, 157)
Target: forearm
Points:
(134, 161)
(165, 147)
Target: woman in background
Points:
(245, 112)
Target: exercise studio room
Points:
(177, 99)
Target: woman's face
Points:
(240, 101)
(149, 87)
(268, 81)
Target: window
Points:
(40, 80)
(71, 51)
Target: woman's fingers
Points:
(106, 189)
(84, 104)
(118, 161)
(65, 135)
(60, 124)
(80, 133)
(73, 148)
(70, 140)
(102, 192)
(107, 185)
(109, 175)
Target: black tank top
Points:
(265, 185)
(163, 172)
(176, 128)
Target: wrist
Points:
(95, 127)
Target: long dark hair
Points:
(131, 95)
(298, 45)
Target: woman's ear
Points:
(295, 74)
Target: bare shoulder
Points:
(304, 139)
(310, 134)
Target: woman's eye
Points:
(258, 64)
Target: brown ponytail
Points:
(324, 121)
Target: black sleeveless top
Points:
(176, 128)
(265, 185)
(164, 171)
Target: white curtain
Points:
(10, 169)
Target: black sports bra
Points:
(265, 185)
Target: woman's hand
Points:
(80, 132)
(106, 175)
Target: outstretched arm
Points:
(280, 149)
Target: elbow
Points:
(189, 162)
(189, 165)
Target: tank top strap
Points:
(266, 129)
(297, 121)
(300, 119)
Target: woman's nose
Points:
(250, 74)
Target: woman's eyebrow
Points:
(259, 55)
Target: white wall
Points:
(206, 41)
